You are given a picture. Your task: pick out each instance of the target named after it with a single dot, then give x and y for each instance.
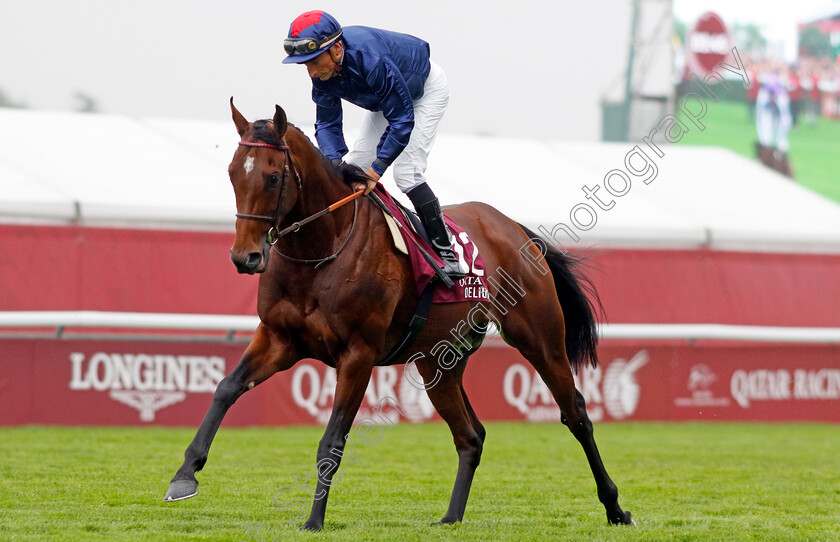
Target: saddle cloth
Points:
(470, 288)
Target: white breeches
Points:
(409, 169)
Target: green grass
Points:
(813, 152)
(680, 481)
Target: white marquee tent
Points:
(143, 172)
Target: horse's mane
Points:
(346, 172)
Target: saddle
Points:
(410, 238)
(418, 247)
(414, 221)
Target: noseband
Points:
(289, 169)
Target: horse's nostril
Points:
(254, 259)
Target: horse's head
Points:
(265, 184)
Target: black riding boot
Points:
(428, 209)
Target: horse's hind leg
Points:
(450, 401)
(581, 427)
(542, 342)
(557, 375)
(479, 428)
(262, 358)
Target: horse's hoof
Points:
(180, 490)
(445, 521)
(623, 520)
(312, 526)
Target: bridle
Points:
(288, 169)
(273, 234)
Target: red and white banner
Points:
(88, 382)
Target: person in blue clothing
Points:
(392, 76)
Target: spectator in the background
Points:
(773, 122)
(811, 96)
(794, 90)
(817, 92)
(752, 93)
(829, 86)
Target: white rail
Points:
(127, 320)
(237, 323)
(723, 332)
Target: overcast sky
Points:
(537, 68)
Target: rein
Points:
(273, 235)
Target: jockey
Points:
(391, 76)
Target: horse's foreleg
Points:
(263, 357)
(353, 375)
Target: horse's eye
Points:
(273, 180)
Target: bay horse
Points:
(338, 291)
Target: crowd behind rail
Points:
(811, 84)
(782, 96)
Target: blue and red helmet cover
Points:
(314, 24)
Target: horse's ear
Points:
(280, 123)
(238, 119)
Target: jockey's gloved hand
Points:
(367, 186)
(353, 175)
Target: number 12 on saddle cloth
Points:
(472, 287)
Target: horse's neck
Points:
(319, 189)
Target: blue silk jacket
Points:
(381, 71)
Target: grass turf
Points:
(813, 148)
(680, 481)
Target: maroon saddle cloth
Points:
(470, 288)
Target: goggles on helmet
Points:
(302, 46)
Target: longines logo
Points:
(146, 382)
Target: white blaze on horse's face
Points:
(249, 165)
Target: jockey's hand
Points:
(373, 178)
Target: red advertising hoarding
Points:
(118, 382)
(190, 272)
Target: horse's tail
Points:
(579, 301)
